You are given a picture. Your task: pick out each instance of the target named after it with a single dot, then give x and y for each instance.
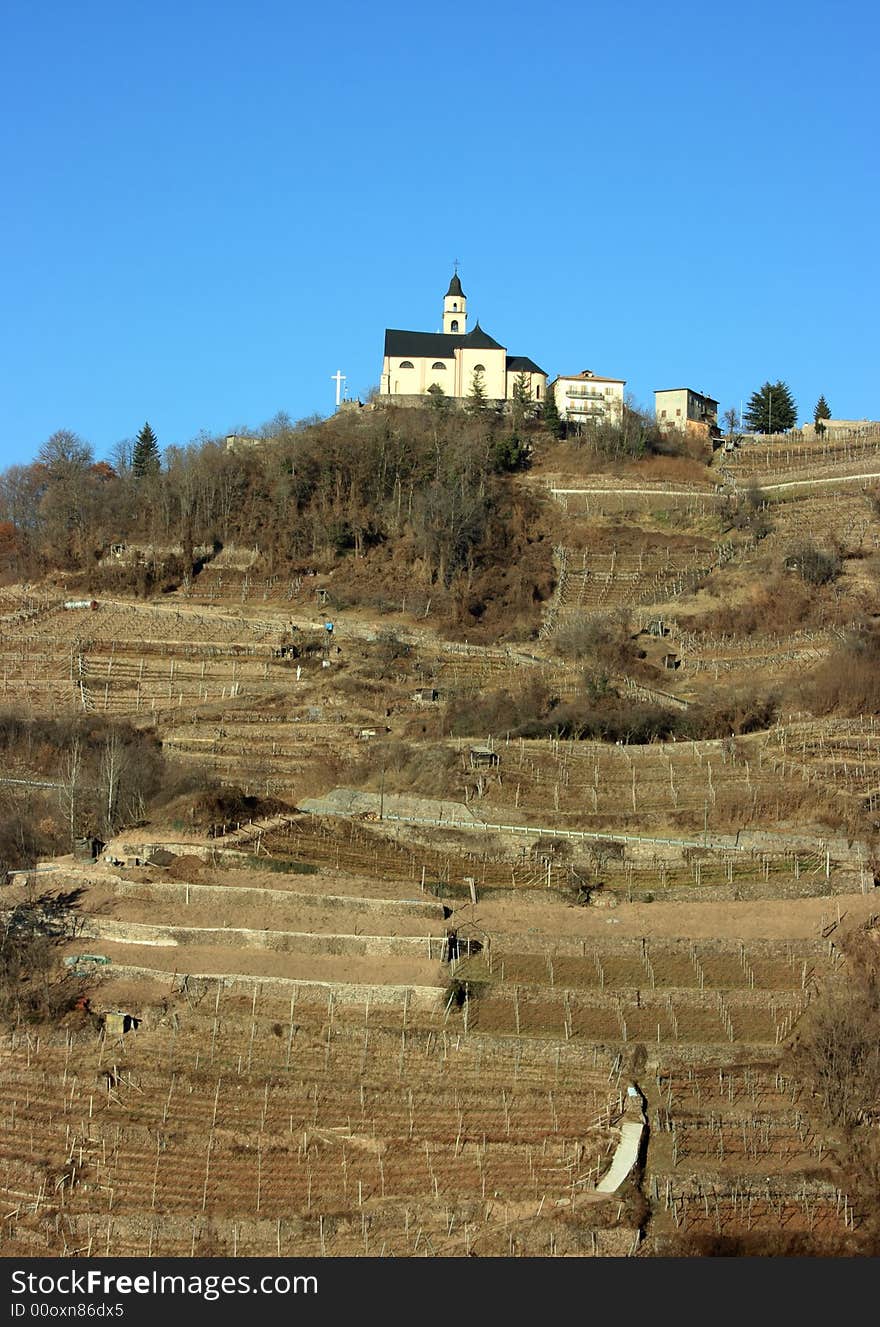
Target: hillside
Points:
(609, 719)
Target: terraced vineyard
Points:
(343, 1108)
(419, 1014)
(735, 1157)
(788, 460)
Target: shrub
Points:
(747, 511)
(498, 712)
(780, 605)
(817, 566)
(605, 637)
(848, 681)
(509, 454)
(33, 986)
(738, 712)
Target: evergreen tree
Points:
(509, 453)
(477, 401)
(522, 390)
(145, 458)
(820, 414)
(552, 422)
(771, 409)
(522, 398)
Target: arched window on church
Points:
(455, 304)
(479, 368)
(537, 391)
(438, 365)
(406, 364)
(454, 324)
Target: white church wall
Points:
(537, 385)
(494, 371)
(444, 377)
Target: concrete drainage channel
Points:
(632, 1132)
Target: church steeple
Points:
(455, 307)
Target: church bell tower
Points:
(455, 309)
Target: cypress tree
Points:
(145, 458)
(552, 422)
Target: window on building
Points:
(678, 412)
(455, 304)
(438, 365)
(662, 414)
(454, 324)
(537, 391)
(406, 364)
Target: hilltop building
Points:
(240, 441)
(682, 410)
(588, 398)
(837, 429)
(416, 362)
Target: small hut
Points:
(88, 848)
(483, 757)
(117, 1023)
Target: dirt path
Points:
(813, 483)
(659, 491)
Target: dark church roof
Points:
(455, 287)
(480, 340)
(439, 345)
(522, 364)
(421, 345)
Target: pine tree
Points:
(477, 402)
(509, 453)
(145, 458)
(820, 414)
(522, 398)
(771, 409)
(552, 422)
(522, 389)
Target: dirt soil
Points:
(782, 919)
(263, 963)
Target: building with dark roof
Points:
(418, 363)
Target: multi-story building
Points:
(417, 363)
(686, 411)
(588, 398)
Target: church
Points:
(417, 362)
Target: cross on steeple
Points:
(455, 265)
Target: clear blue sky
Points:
(209, 208)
